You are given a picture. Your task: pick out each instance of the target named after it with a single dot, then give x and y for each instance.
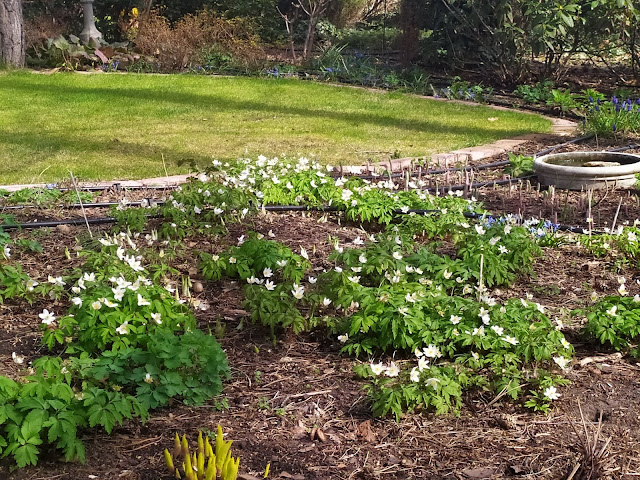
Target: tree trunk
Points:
(12, 47)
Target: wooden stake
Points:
(84, 214)
(615, 217)
(480, 280)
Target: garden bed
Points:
(281, 392)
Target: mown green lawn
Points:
(115, 126)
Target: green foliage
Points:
(366, 39)
(622, 246)
(256, 257)
(189, 367)
(277, 307)
(46, 409)
(463, 90)
(45, 197)
(70, 53)
(273, 273)
(123, 355)
(438, 389)
(614, 321)
(31, 245)
(14, 283)
(562, 99)
(614, 118)
(505, 252)
(503, 35)
(504, 354)
(538, 93)
(117, 307)
(519, 165)
(133, 219)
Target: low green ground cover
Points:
(122, 126)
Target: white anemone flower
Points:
(47, 317)
(392, 370)
(56, 281)
(432, 352)
(123, 329)
(118, 293)
(298, 291)
(423, 363)
(432, 382)
(31, 284)
(551, 393)
(377, 368)
(562, 362)
(142, 302)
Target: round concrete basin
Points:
(587, 170)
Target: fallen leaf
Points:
(299, 432)
(292, 477)
(365, 431)
(478, 473)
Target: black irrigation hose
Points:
(570, 142)
(624, 149)
(269, 208)
(55, 223)
(118, 187)
(85, 205)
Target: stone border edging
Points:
(559, 126)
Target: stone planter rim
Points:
(541, 165)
